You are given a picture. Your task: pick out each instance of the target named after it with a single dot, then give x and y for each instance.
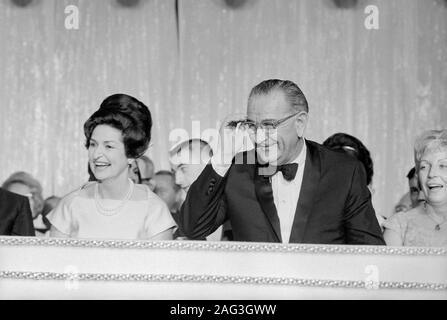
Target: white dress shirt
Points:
(285, 193)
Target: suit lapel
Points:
(309, 187)
(264, 194)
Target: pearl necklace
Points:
(112, 211)
(434, 218)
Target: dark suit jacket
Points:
(334, 205)
(15, 215)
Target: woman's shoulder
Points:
(79, 193)
(154, 205)
(406, 216)
(144, 193)
(414, 213)
(87, 190)
(157, 218)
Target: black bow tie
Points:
(288, 170)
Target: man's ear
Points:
(301, 123)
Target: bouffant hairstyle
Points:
(354, 147)
(128, 115)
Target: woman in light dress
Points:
(425, 225)
(114, 207)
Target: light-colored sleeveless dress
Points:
(78, 217)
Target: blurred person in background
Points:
(404, 203)
(26, 185)
(414, 196)
(170, 193)
(15, 215)
(425, 225)
(142, 171)
(354, 147)
(168, 190)
(188, 159)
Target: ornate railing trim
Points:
(223, 246)
(219, 279)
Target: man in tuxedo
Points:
(15, 215)
(287, 189)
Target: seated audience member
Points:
(114, 207)
(355, 148)
(425, 225)
(168, 190)
(26, 185)
(170, 193)
(414, 196)
(287, 189)
(404, 203)
(15, 215)
(49, 204)
(188, 159)
(142, 171)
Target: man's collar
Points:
(301, 158)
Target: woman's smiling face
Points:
(106, 153)
(433, 176)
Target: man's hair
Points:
(429, 141)
(293, 93)
(203, 145)
(354, 147)
(411, 173)
(168, 174)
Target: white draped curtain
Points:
(196, 60)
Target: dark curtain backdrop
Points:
(196, 60)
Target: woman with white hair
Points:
(425, 225)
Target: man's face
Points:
(140, 169)
(165, 188)
(278, 146)
(188, 163)
(146, 171)
(186, 174)
(413, 184)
